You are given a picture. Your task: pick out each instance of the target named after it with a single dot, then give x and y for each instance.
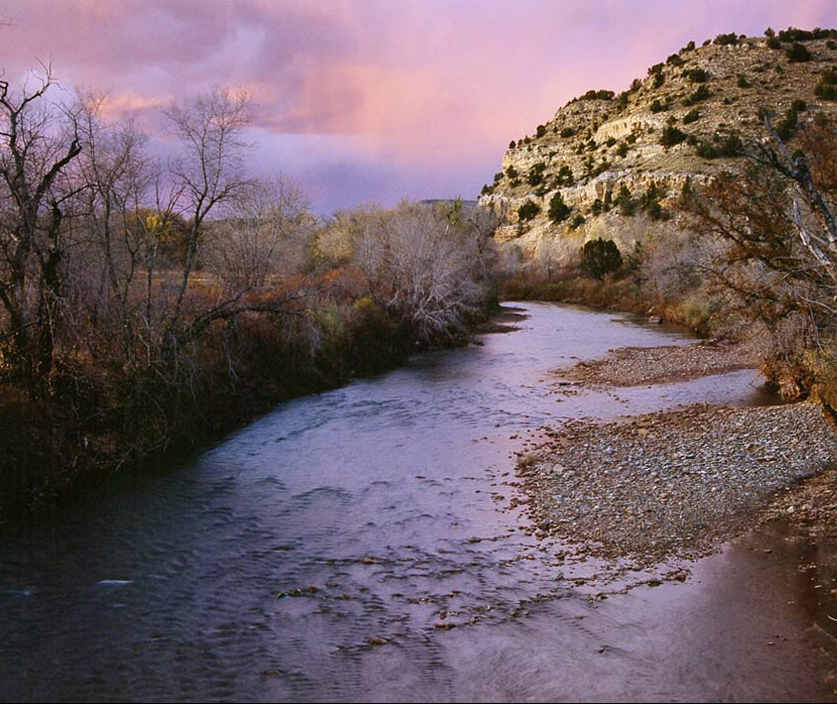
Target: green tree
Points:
(600, 257)
(528, 210)
(558, 210)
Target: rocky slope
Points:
(619, 162)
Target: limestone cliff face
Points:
(610, 154)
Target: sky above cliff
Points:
(372, 100)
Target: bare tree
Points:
(428, 265)
(209, 173)
(118, 175)
(268, 233)
(39, 141)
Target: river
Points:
(362, 544)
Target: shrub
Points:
(742, 81)
(565, 176)
(671, 136)
(512, 144)
(596, 208)
(792, 34)
(528, 210)
(596, 95)
(697, 75)
(774, 43)
(627, 205)
(657, 106)
(656, 68)
(689, 47)
(577, 221)
(511, 172)
(622, 101)
(498, 176)
(826, 91)
(786, 128)
(827, 87)
(675, 60)
(798, 53)
(622, 149)
(600, 257)
(726, 146)
(541, 131)
(726, 39)
(702, 93)
(651, 203)
(487, 190)
(610, 141)
(535, 175)
(567, 132)
(691, 116)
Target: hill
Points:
(613, 165)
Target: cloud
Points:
(423, 87)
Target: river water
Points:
(363, 544)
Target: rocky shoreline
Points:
(678, 484)
(634, 366)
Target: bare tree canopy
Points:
(39, 141)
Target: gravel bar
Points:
(633, 366)
(671, 484)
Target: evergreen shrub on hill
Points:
(558, 209)
(691, 116)
(798, 53)
(702, 93)
(671, 136)
(528, 210)
(827, 87)
(697, 75)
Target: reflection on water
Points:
(359, 544)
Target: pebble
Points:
(699, 480)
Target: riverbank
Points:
(678, 484)
(104, 420)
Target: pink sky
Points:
(374, 100)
